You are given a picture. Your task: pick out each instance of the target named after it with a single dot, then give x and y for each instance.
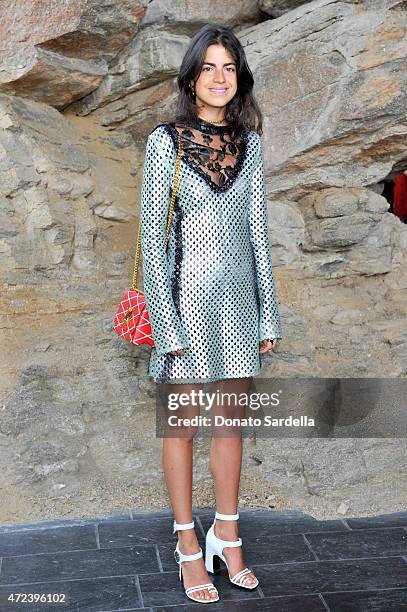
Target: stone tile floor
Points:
(125, 562)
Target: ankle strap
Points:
(182, 526)
(226, 517)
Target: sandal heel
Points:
(212, 562)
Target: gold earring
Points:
(192, 88)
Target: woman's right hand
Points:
(177, 352)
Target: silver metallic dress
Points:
(211, 292)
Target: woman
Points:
(211, 297)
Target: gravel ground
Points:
(103, 498)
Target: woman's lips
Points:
(218, 92)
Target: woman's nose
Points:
(219, 76)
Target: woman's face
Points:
(217, 73)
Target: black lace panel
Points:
(212, 151)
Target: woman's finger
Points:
(265, 346)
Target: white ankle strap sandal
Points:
(214, 548)
(180, 557)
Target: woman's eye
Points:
(230, 68)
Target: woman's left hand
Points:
(267, 345)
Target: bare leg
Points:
(225, 463)
(178, 470)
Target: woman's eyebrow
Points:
(226, 64)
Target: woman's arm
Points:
(269, 326)
(167, 330)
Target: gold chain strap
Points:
(167, 233)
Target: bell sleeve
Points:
(159, 163)
(269, 322)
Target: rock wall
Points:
(81, 85)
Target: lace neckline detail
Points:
(210, 128)
(211, 151)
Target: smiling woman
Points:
(211, 296)
(215, 81)
(217, 78)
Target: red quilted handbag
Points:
(132, 321)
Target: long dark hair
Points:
(242, 112)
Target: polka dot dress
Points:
(211, 292)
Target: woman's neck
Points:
(212, 115)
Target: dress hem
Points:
(203, 380)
